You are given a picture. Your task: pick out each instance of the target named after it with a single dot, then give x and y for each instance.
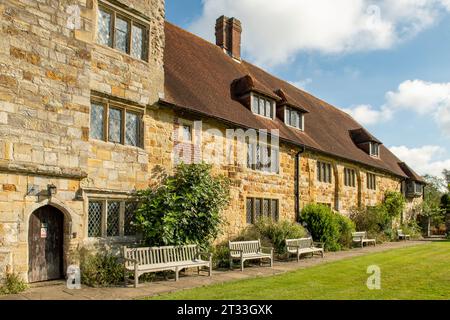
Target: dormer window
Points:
(262, 106)
(375, 149)
(294, 118)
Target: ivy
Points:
(185, 208)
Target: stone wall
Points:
(48, 73)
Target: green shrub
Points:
(394, 203)
(272, 234)
(101, 270)
(221, 256)
(278, 232)
(413, 229)
(346, 228)
(13, 284)
(185, 209)
(323, 225)
(374, 220)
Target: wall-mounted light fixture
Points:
(51, 188)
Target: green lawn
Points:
(421, 272)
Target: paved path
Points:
(60, 292)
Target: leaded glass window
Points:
(257, 208)
(137, 42)
(97, 121)
(324, 172)
(293, 118)
(274, 210)
(249, 208)
(132, 129)
(129, 228)
(263, 158)
(115, 125)
(95, 219)
(104, 28)
(122, 34)
(120, 129)
(187, 133)
(266, 208)
(113, 219)
(130, 36)
(262, 106)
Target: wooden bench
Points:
(401, 235)
(156, 259)
(304, 246)
(361, 238)
(248, 250)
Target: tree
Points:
(185, 209)
(431, 206)
(446, 174)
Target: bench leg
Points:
(125, 280)
(298, 257)
(210, 269)
(198, 270)
(231, 263)
(242, 264)
(177, 274)
(136, 276)
(271, 262)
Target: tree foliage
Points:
(185, 209)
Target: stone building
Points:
(100, 98)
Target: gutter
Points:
(297, 182)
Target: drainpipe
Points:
(297, 183)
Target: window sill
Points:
(264, 172)
(292, 127)
(115, 144)
(124, 54)
(112, 240)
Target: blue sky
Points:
(387, 65)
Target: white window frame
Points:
(372, 147)
(262, 97)
(300, 114)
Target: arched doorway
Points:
(45, 244)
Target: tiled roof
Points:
(199, 75)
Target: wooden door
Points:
(45, 244)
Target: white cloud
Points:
(273, 33)
(427, 99)
(368, 115)
(424, 160)
(301, 84)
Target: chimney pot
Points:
(228, 36)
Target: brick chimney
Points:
(228, 36)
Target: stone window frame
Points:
(371, 181)
(290, 110)
(107, 104)
(350, 177)
(257, 112)
(258, 166)
(132, 21)
(104, 218)
(254, 215)
(324, 172)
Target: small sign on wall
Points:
(44, 228)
